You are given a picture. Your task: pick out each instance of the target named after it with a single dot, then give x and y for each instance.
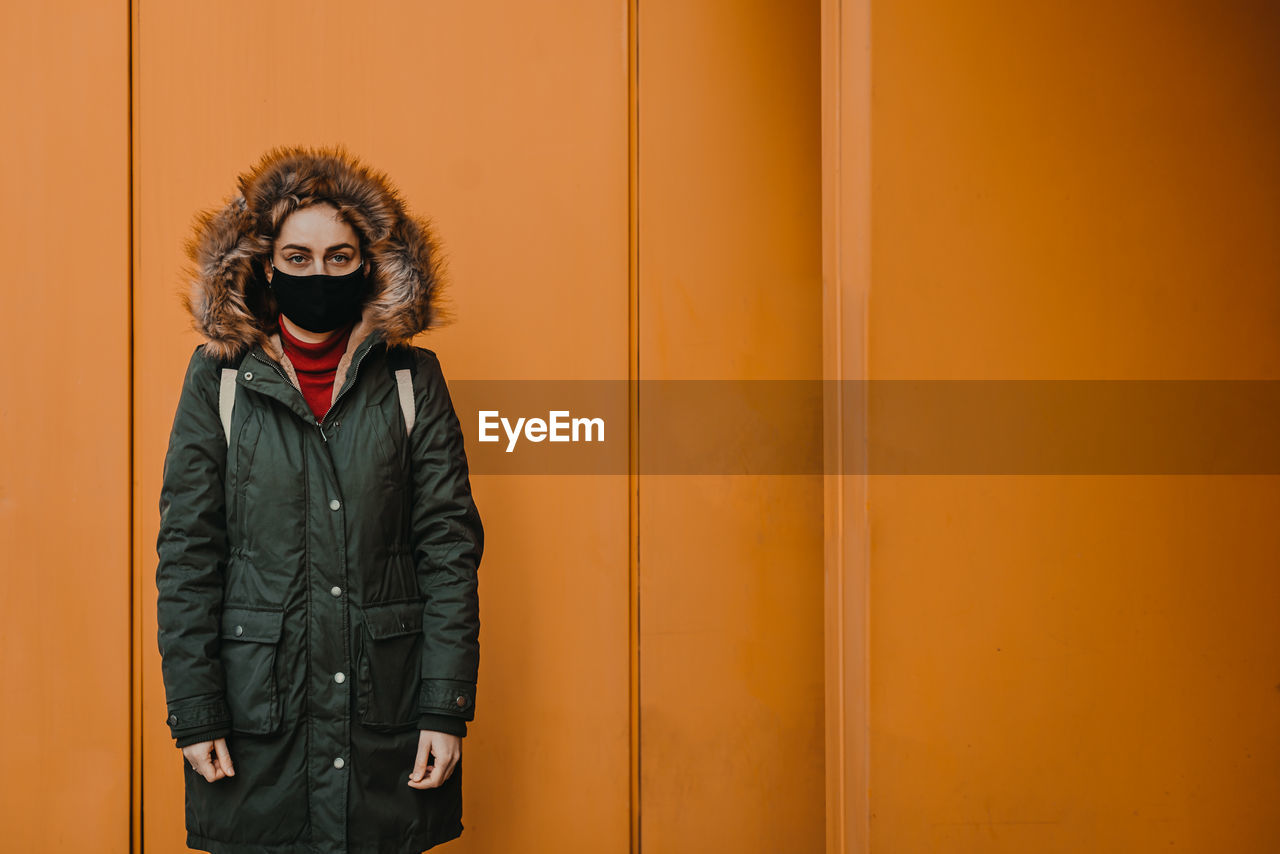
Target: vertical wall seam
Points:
(865, 224)
(135, 596)
(858, 47)
(847, 226)
(834, 549)
(841, 618)
(633, 376)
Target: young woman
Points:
(318, 611)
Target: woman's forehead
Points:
(316, 226)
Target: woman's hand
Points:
(447, 750)
(198, 758)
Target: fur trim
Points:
(228, 299)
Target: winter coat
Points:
(317, 578)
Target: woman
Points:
(318, 611)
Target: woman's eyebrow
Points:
(308, 248)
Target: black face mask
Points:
(320, 303)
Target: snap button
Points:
(239, 631)
(335, 504)
(336, 591)
(173, 719)
(462, 701)
(248, 375)
(339, 677)
(338, 763)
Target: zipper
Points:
(285, 377)
(276, 368)
(354, 376)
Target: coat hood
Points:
(229, 302)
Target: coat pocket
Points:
(388, 665)
(391, 460)
(250, 646)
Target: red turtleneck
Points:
(316, 365)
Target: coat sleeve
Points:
(192, 549)
(448, 541)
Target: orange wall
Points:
(730, 584)
(1014, 663)
(64, 421)
(1088, 190)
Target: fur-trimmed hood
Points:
(228, 299)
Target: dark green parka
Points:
(317, 579)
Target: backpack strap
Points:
(399, 362)
(227, 400)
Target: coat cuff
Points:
(197, 736)
(443, 723)
(186, 718)
(449, 696)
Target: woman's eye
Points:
(296, 258)
(340, 258)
